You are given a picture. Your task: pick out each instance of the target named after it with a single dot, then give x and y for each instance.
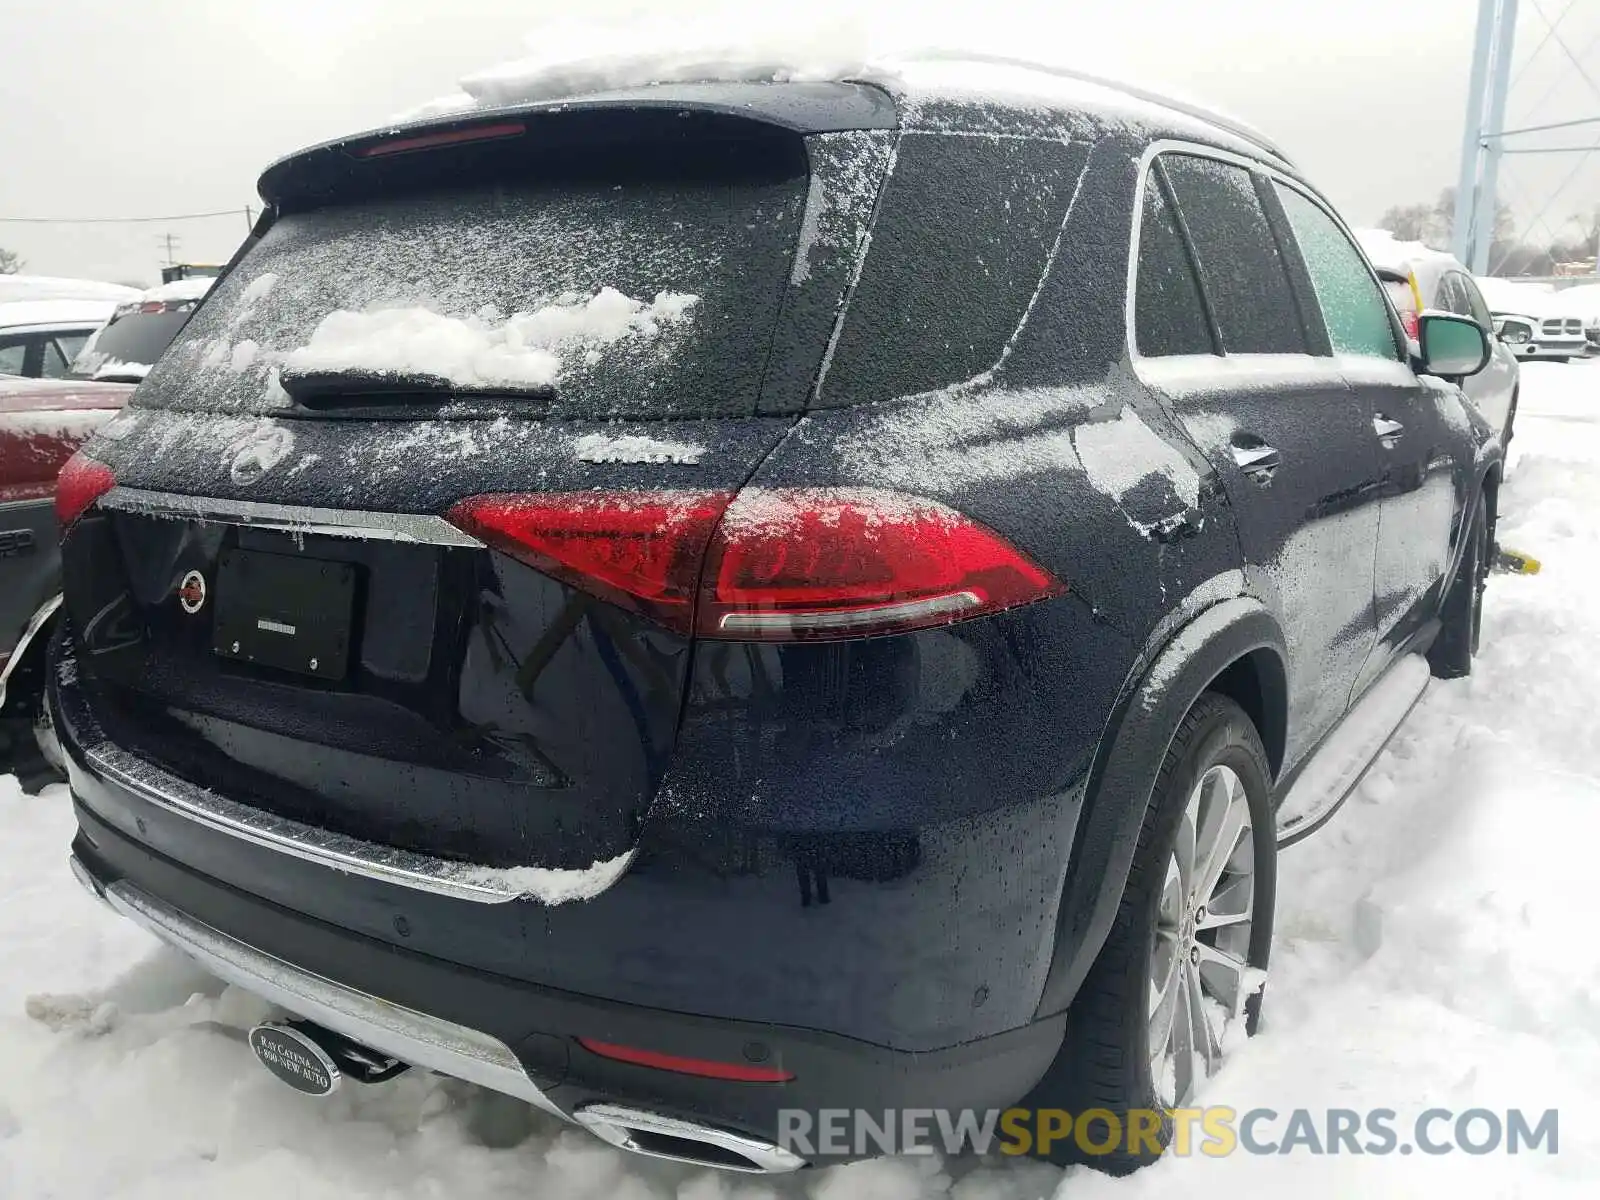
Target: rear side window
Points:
(1352, 305)
(1239, 261)
(960, 244)
(1476, 308)
(1451, 297)
(1169, 316)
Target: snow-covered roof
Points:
(1387, 251)
(17, 313)
(785, 46)
(1514, 296)
(51, 287)
(180, 289)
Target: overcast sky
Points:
(118, 108)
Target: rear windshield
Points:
(135, 341)
(650, 290)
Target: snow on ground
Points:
(1436, 947)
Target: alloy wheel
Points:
(1200, 976)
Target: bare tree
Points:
(1408, 222)
(10, 261)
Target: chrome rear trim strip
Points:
(403, 1033)
(386, 864)
(423, 528)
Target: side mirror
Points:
(1451, 346)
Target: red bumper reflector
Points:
(705, 1068)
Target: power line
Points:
(227, 212)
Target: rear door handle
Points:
(1260, 461)
(1388, 431)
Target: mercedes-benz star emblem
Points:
(192, 592)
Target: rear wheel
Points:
(1185, 962)
(1450, 656)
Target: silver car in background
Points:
(1418, 278)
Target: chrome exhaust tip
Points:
(675, 1140)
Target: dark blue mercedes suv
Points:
(710, 602)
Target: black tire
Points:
(1511, 420)
(1105, 1060)
(1461, 615)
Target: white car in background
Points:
(45, 320)
(1535, 320)
(1418, 278)
(125, 348)
(40, 338)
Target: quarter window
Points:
(1239, 262)
(1169, 316)
(1352, 305)
(1476, 308)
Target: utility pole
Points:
(1500, 84)
(1472, 134)
(170, 241)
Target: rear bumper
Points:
(521, 1039)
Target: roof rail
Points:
(1248, 132)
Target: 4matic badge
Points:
(192, 592)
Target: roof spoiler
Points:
(798, 108)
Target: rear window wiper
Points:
(346, 392)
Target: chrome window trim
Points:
(422, 528)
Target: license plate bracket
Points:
(285, 611)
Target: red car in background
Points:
(41, 423)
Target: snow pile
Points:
(1583, 301)
(1386, 250)
(82, 312)
(582, 59)
(51, 287)
(1515, 296)
(180, 290)
(550, 885)
(523, 350)
(942, 49)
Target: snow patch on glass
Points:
(484, 350)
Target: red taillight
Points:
(782, 564)
(814, 563)
(1408, 321)
(641, 550)
(704, 1067)
(446, 137)
(82, 481)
